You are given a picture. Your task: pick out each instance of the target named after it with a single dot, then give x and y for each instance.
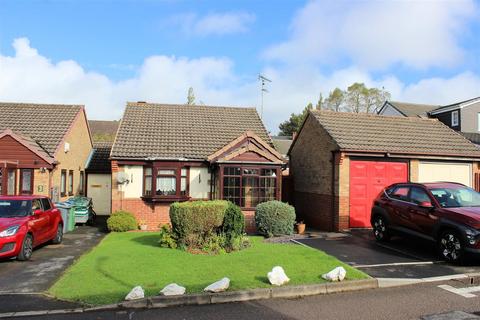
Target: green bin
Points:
(68, 215)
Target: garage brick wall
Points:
(342, 199)
(311, 170)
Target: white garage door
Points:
(454, 172)
(99, 189)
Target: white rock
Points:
(337, 274)
(277, 276)
(136, 293)
(173, 289)
(218, 286)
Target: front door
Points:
(98, 188)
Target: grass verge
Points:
(124, 260)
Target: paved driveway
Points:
(48, 262)
(402, 257)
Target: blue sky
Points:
(102, 53)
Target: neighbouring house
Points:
(44, 149)
(165, 153)
(406, 109)
(341, 161)
(99, 170)
(282, 144)
(462, 116)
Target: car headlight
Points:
(471, 236)
(10, 231)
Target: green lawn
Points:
(123, 260)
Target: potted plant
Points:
(143, 225)
(300, 227)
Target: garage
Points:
(367, 179)
(99, 178)
(445, 171)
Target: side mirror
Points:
(37, 212)
(426, 205)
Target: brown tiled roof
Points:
(100, 161)
(103, 130)
(166, 131)
(413, 109)
(282, 143)
(399, 135)
(46, 124)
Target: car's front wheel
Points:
(380, 229)
(450, 246)
(59, 235)
(27, 248)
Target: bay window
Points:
(164, 182)
(249, 186)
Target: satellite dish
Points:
(122, 178)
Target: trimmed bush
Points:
(274, 218)
(121, 221)
(234, 222)
(167, 240)
(194, 222)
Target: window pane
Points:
(81, 182)
(46, 204)
(250, 171)
(11, 182)
(183, 186)
(231, 171)
(1, 181)
(184, 172)
(231, 189)
(26, 180)
(70, 182)
(166, 186)
(166, 172)
(63, 182)
(148, 186)
(268, 172)
(148, 171)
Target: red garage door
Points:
(367, 179)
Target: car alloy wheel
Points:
(27, 248)
(450, 246)
(59, 236)
(379, 228)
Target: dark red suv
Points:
(445, 212)
(26, 222)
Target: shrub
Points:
(274, 218)
(233, 222)
(215, 244)
(194, 222)
(121, 221)
(167, 240)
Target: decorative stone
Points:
(337, 274)
(277, 276)
(136, 293)
(173, 289)
(219, 286)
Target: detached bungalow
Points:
(166, 153)
(43, 149)
(341, 161)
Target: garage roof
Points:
(399, 135)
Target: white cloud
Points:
(214, 23)
(28, 76)
(378, 34)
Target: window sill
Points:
(165, 198)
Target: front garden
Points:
(124, 260)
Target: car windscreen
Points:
(454, 197)
(15, 208)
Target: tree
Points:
(335, 100)
(293, 124)
(355, 97)
(320, 103)
(190, 97)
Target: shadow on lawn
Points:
(262, 279)
(149, 240)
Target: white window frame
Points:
(455, 118)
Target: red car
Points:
(444, 212)
(25, 223)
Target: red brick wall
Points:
(250, 221)
(315, 210)
(153, 215)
